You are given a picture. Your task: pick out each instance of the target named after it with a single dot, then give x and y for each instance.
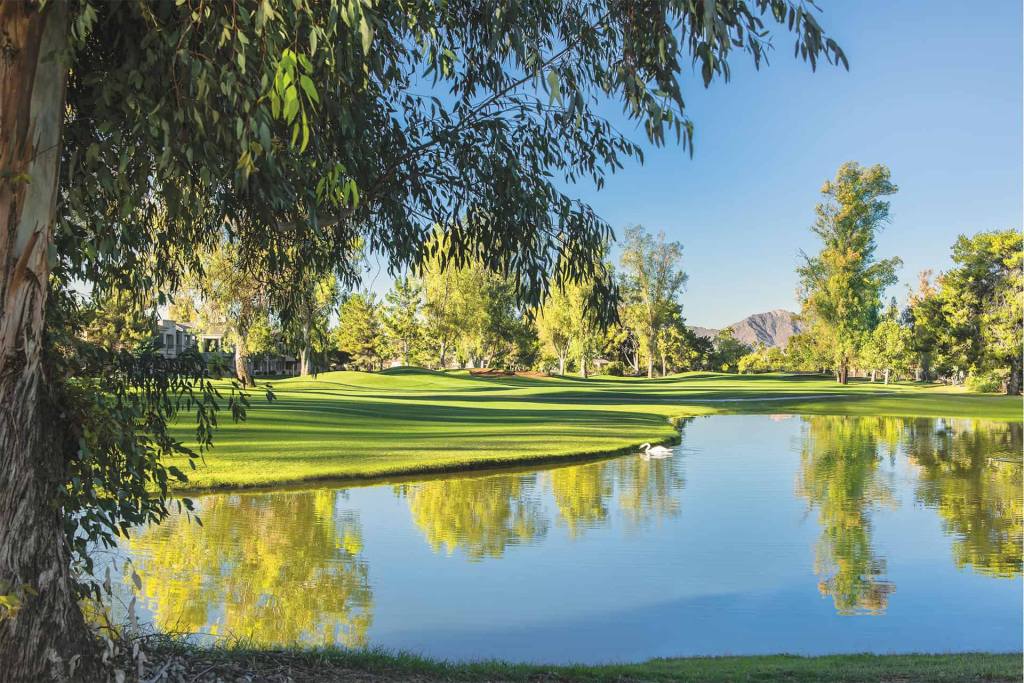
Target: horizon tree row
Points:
(965, 327)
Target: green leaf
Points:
(291, 104)
(555, 86)
(307, 86)
(366, 32)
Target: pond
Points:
(761, 534)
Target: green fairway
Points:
(353, 424)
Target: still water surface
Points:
(761, 534)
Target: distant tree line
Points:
(963, 327)
(468, 317)
(459, 316)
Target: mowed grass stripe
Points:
(353, 424)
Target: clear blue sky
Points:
(933, 91)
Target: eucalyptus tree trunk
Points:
(886, 375)
(650, 358)
(1014, 379)
(243, 371)
(40, 639)
(561, 361)
(844, 372)
(443, 352)
(306, 353)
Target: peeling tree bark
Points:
(1014, 380)
(46, 637)
(242, 370)
(650, 357)
(306, 354)
(442, 355)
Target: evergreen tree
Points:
(359, 332)
(401, 318)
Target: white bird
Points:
(655, 451)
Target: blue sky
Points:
(933, 91)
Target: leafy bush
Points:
(615, 368)
(986, 382)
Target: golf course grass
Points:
(405, 420)
(240, 662)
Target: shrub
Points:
(615, 368)
(986, 382)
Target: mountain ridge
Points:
(771, 328)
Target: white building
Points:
(175, 338)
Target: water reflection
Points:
(482, 515)
(839, 476)
(649, 490)
(582, 496)
(273, 568)
(971, 474)
(969, 471)
(292, 566)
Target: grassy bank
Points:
(195, 664)
(351, 424)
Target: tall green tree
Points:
(585, 332)
(923, 317)
(568, 326)
(359, 331)
(312, 300)
(679, 347)
(442, 308)
(491, 324)
(969, 321)
(983, 302)
(652, 279)
(841, 287)
(159, 123)
(728, 350)
(889, 348)
(554, 325)
(401, 318)
(121, 320)
(233, 300)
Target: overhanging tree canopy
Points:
(136, 134)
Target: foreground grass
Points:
(359, 425)
(179, 661)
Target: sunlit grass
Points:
(238, 661)
(353, 424)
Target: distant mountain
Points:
(773, 328)
(704, 331)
